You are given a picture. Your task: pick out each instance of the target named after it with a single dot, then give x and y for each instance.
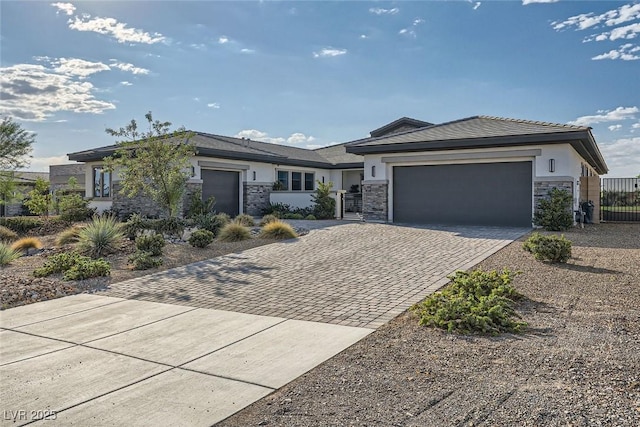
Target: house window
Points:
(101, 182)
(309, 179)
(295, 181)
(283, 178)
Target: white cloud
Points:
(66, 8)
(610, 18)
(41, 164)
(380, 11)
(196, 99)
(245, 50)
(35, 92)
(223, 39)
(409, 31)
(635, 126)
(130, 68)
(614, 128)
(626, 52)
(125, 83)
(363, 36)
(213, 105)
(329, 51)
(115, 29)
(620, 113)
(78, 67)
(199, 46)
(622, 156)
(526, 2)
(294, 139)
(477, 5)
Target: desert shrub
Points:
(26, 243)
(554, 212)
(292, 216)
(234, 232)
(21, 224)
(548, 248)
(152, 244)
(278, 230)
(474, 302)
(244, 219)
(267, 219)
(73, 207)
(310, 217)
(59, 263)
(7, 254)
(101, 236)
(210, 222)
(324, 205)
(201, 238)
(70, 235)
(172, 227)
(142, 260)
(134, 226)
(87, 268)
(223, 217)
(277, 209)
(197, 206)
(7, 234)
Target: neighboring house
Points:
(25, 182)
(60, 174)
(478, 170)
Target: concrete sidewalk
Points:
(97, 360)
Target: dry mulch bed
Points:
(578, 364)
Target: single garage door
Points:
(225, 187)
(468, 194)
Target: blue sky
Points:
(311, 74)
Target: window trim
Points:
(303, 180)
(101, 170)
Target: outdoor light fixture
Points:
(552, 165)
(373, 171)
(323, 179)
(254, 175)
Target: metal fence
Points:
(620, 199)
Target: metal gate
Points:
(620, 199)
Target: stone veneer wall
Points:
(541, 189)
(192, 188)
(145, 205)
(375, 201)
(256, 198)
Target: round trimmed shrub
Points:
(234, 232)
(278, 230)
(548, 248)
(310, 217)
(201, 238)
(152, 244)
(144, 260)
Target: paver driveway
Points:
(354, 274)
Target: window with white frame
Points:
(101, 182)
(296, 180)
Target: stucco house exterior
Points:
(478, 170)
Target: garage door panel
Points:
(225, 187)
(480, 194)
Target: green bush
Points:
(201, 238)
(102, 236)
(7, 234)
(244, 219)
(59, 263)
(152, 244)
(324, 205)
(292, 216)
(554, 213)
(87, 268)
(233, 232)
(73, 207)
(474, 302)
(310, 218)
(211, 222)
(267, 219)
(548, 248)
(21, 224)
(224, 218)
(7, 254)
(197, 206)
(134, 226)
(278, 230)
(172, 227)
(142, 260)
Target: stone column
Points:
(256, 197)
(375, 201)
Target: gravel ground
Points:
(577, 365)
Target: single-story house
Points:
(478, 170)
(25, 182)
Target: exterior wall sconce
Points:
(552, 165)
(254, 175)
(373, 171)
(323, 179)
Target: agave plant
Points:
(102, 236)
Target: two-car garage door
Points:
(474, 194)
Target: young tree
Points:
(324, 205)
(155, 162)
(15, 145)
(39, 199)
